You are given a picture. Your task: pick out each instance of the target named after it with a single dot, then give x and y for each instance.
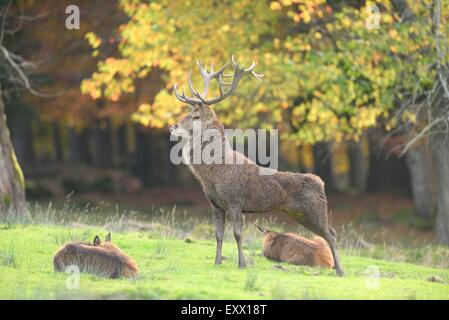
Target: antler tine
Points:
(208, 76)
(178, 96)
(239, 74)
(191, 88)
(251, 67)
(205, 76)
(234, 62)
(197, 94)
(220, 71)
(220, 84)
(200, 99)
(182, 97)
(258, 76)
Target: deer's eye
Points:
(196, 118)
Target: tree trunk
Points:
(172, 169)
(340, 166)
(102, 143)
(322, 155)
(359, 166)
(387, 174)
(122, 144)
(143, 157)
(22, 137)
(57, 141)
(419, 162)
(12, 182)
(79, 151)
(440, 153)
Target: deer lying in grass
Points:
(235, 185)
(103, 259)
(292, 248)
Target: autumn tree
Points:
(401, 67)
(303, 83)
(427, 95)
(332, 68)
(15, 69)
(264, 32)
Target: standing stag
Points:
(235, 185)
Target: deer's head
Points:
(200, 107)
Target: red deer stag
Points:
(235, 185)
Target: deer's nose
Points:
(173, 127)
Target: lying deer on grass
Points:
(292, 248)
(103, 259)
(235, 185)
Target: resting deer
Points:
(292, 248)
(104, 259)
(235, 185)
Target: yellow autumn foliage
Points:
(330, 81)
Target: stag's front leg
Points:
(219, 217)
(237, 221)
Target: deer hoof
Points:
(340, 273)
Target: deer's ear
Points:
(108, 238)
(97, 241)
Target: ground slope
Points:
(176, 269)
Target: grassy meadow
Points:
(176, 262)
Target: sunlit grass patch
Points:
(9, 255)
(176, 269)
(176, 261)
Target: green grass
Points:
(171, 268)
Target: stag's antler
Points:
(200, 99)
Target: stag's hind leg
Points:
(219, 217)
(316, 221)
(313, 202)
(330, 237)
(319, 224)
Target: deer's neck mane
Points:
(214, 139)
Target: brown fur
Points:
(292, 248)
(236, 186)
(104, 259)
